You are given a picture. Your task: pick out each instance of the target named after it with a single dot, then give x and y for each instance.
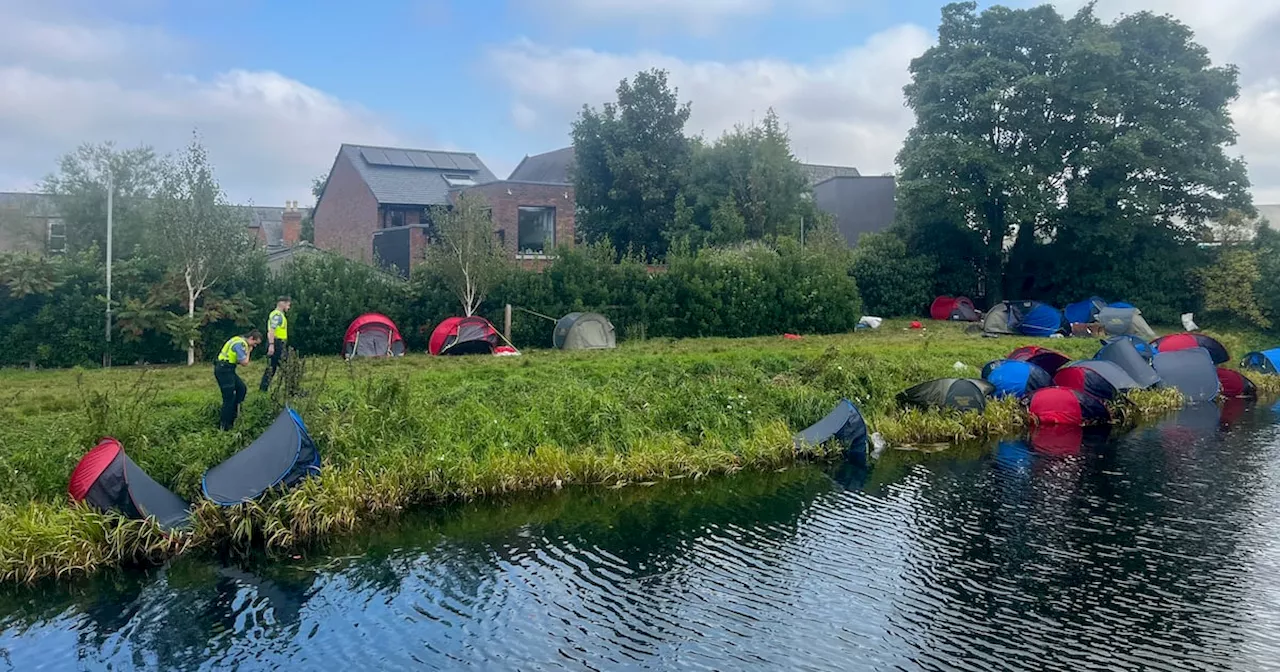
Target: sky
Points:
(273, 87)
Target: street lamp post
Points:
(106, 353)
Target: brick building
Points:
(376, 205)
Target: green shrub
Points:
(893, 283)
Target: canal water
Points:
(1158, 549)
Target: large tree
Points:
(630, 158)
(80, 185)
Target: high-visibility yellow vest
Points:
(228, 353)
(282, 331)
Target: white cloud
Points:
(845, 110)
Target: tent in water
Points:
(958, 308)
(282, 456)
(1124, 322)
(108, 480)
(1083, 312)
(372, 335)
(1066, 440)
(1065, 406)
(1187, 341)
(1085, 380)
(1235, 384)
(463, 336)
(1266, 361)
(1112, 372)
(965, 394)
(1190, 371)
(1143, 348)
(1012, 378)
(1049, 360)
(1029, 318)
(584, 331)
(844, 425)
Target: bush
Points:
(893, 283)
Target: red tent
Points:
(1049, 360)
(958, 308)
(1186, 341)
(372, 335)
(1064, 406)
(1235, 384)
(463, 336)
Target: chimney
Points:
(291, 224)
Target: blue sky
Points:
(275, 86)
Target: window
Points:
(537, 230)
(57, 236)
(455, 180)
(393, 218)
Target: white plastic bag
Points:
(873, 322)
(1188, 323)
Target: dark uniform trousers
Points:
(273, 364)
(233, 392)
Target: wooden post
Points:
(506, 322)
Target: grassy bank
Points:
(415, 430)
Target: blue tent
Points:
(1266, 361)
(1083, 312)
(1038, 319)
(1121, 304)
(1012, 378)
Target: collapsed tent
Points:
(1083, 312)
(1012, 378)
(844, 425)
(584, 331)
(1266, 361)
(463, 336)
(1125, 321)
(1191, 372)
(1144, 349)
(1085, 380)
(965, 394)
(958, 308)
(1188, 341)
(1065, 406)
(107, 480)
(1235, 385)
(281, 457)
(1049, 360)
(1112, 372)
(372, 335)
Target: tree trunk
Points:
(191, 315)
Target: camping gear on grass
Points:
(372, 335)
(1085, 380)
(1235, 385)
(1029, 318)
(1188, 341)
(1125, 321)
(463, 336)
(1049, 360)
(107, 480)
(844, 425)
(1012, 378)
(965, 394)
(1112, 372)
(1083, 312)
(1190, 371)
(1065, 406)
(584, 331)
(1265, 361)
(959, 309)
(282, 456)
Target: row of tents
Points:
(1034, 318)
(376, 335)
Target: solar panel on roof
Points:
(464, 162)
(373, 156)
(397, 157)
(442, 160)
(421, 159)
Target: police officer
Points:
(277, 340)
(234, 353)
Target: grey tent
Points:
(282, 456)
(584, 331)
(1190, 371)
(996, 320)
(844, 424)
(965, 394)
(106, 479)
(1122, 353)
(1111, 371)
(1123, 321)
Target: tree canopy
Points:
(80, 185)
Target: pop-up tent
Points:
(1083, 312)
(1125, 322)
(463, 336)
(1123, 354)
(1266, 361)
(106, 479)
(1190, 371)
(281, 457)
(1235, 385)
(1049, 360)
(844, 425)
(1187, 341)
(1085, 380)
(1112, 372)
(1012, 378)
(1143, 348)
(372, 335)
(1064, 406)
(958, 308)
(965, 394)
(584, 331)
(1029, 318)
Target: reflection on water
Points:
(1158, 549)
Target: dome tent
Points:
(1083, 312)
(1235, 385)
(1122, 353)
(463, 336)
(965, 394)
(844, 424)
(959, 309)
(1187, 341)
(282, 456)
(1266, 361)
(1125, 322)
(1012, 378)
(1029, 318)
(584, 331)
(1112, 372)
(1064, 406)
(1049, 360)
(1085, 380)
(107, 480)
(1142, 347)
(1190, 371)
(372, 335)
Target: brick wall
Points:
(506, 198)
(347, 214)
(291, 224)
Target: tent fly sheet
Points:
(1235, 385)
(1125, 322)
(959, 309)
(584, 331)
(372, 335)
(1112, 372)
(1065, 406)
(1012, 378)
(1029, 318)
(281, 457)
(1188, 341)
(107, 480)
(1049, 360)
(1265, 361)
(1190, 371)
(463, 336)
(1083, 312)
(844, 425)
(964, 394)
(1085, 380)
